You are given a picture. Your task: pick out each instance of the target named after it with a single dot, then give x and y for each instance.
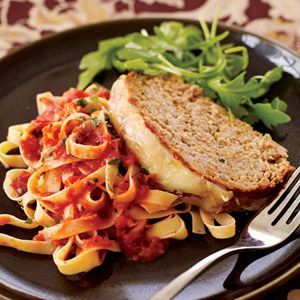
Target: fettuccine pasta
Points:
(83, 191)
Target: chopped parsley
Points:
(222, 160)
(106, 117)
(93, 109)
(94, 99)
(28, 221)
(56, 220)
(114, 161)
(82, 102)
(96, 121)
(82, 118)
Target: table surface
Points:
(22, 22)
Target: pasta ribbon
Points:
(157, 200)
(41, 103)
(139, 213)
(15, 132)
(76, 226)
(10, 176)
(172, 227)
(197, 223)
(10, 160)
(6, 219)
(83, 261)
(111, 174)
(38, 247)
(226, 227)
(76, 180)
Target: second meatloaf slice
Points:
(223, 153)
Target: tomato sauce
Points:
(31, 148)
(31, 145)
(52, 112)
(96, 241)
(93, 137)
(20, 183)
(73, 94)
(136, 244)
(50, 135)
(128, 158)
(104, 93)
(71, 174)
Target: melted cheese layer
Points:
(170, 172)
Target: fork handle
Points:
(176, 285)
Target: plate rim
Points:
(22, 50)
(53, 35)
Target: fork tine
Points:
(276, 212)
(290, 211)
(295, 222)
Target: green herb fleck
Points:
(96, 121)
(94, 99)
(28, 221)
(93, 110)
(82, 118)
(82, 102)
(56, 220)
(222, 160)
(106, 117)
(114, 161)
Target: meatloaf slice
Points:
(212, 151)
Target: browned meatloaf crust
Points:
(201, 134)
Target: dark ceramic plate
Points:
(52, 64)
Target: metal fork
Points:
(271, 226)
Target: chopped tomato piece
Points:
(135, 243)
(72, 94)
(103, 92)
(20, 183)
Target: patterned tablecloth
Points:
(23, 21)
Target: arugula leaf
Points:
(198, 56)
(97, 61)
(269, 115)
(236, 94)
(279, 104)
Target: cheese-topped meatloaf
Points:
(191, 144)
